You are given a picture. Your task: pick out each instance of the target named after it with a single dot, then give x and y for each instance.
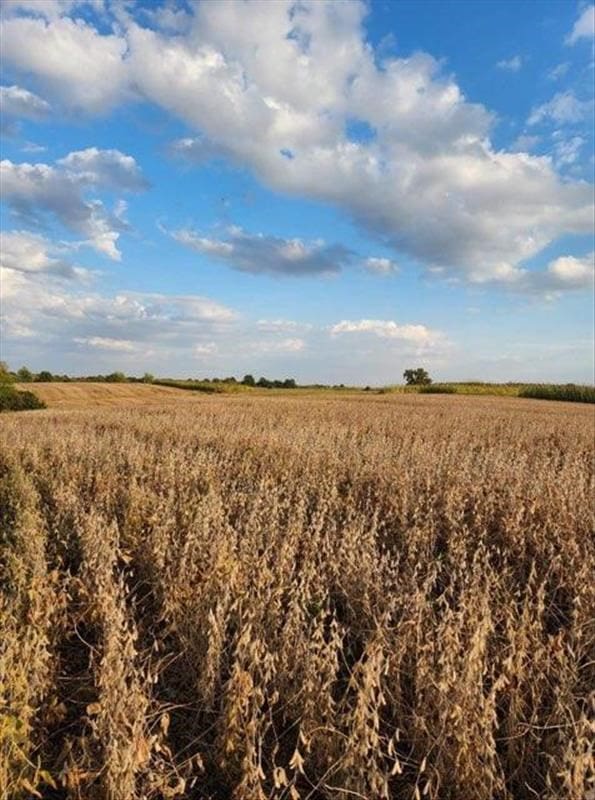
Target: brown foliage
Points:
(278, 598)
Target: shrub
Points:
(5, 375)
(13, 400)
(569, 391)
(438, 388)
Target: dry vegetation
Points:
(252, 598)
(83, 395)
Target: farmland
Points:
(317, 596)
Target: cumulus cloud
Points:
(22, 251)
(18, 102)
(34, 190)
(563, 274)
(380, 266)
(511, 64)
(69, 57)
(278, 86)
(109, 168)
(260, 254)
(564, 107)
(584, 27)
(420, 335)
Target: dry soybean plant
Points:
(274, 598)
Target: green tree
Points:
(417, 377)
(25, 375)
(115, 377)
(148, 378)
(248, 380)
(44, 376)
(5, 374)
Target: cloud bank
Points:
(279, 88)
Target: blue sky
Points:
(333, 191)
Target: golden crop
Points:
(249, 598)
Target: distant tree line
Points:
(25, 375)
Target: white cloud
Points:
(207, 349)
(104, 343)
(105, 168)
(22, 251)
(195, 149)
(282, 325)
(381, 266)
(525, 143)
(566, 273)
(567, 151)
(258, 254)
(33, 147)
(419, 335)
(564, 107)
(291, 345)
(511, 64)
(34, 190)
(259, 81)
(576, 271)
(558, 71)
(584, 27)
(74, 62)
(42, 8)
(18, 102)
(562, 275)
(40, 306)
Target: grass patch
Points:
(438, 388)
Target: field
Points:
(251, 597)
(84, 395)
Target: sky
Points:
(329, 191)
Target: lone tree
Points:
(417, 377)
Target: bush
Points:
(569, 391)
(6, 377)
(437, 388)
(13, 400)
